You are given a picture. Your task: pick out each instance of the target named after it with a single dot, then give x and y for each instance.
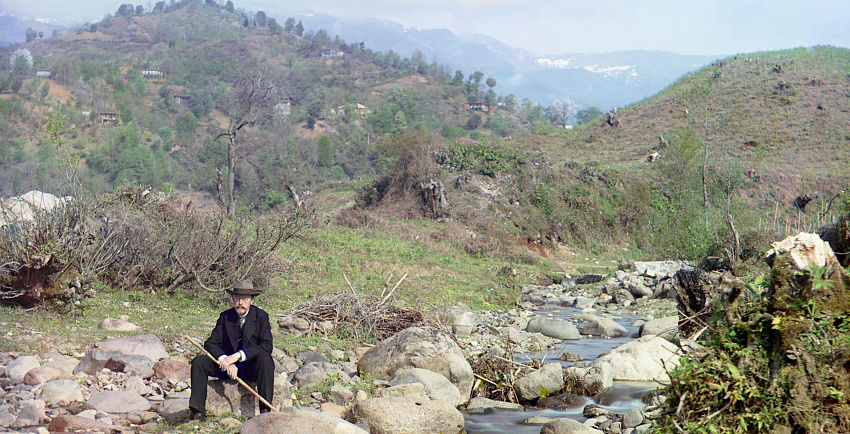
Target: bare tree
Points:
(254, 99)
(561, 111)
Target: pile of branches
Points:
(497, 374)
(363, 316)
(136, 239)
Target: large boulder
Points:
(593, 377)
(142, 345)
(65, 364)
(548, 380)
(17, 369)
(41, 374)
(117, 402)
(553, 328)
(567, 426)
(407, 416)
(61, 392)
(660, 326)
(131, 364)
(645, 359)
(437, 387)
(227, 396)
(316, 372)
(419, 347)
(603, 327)
(480, 403)
(172, 369)
(297, 421)
(67, 423)
(459, 319)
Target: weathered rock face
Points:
(605, 327)
(553, 328)
(118, 402)
(406, 416)
(644, 359)
(292, 420)
(661, 326)
(548, 380)
(437, 387)
(595, 378)
(419, 347)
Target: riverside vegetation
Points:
(331, 202)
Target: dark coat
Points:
(256, 334)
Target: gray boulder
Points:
(131, 364)
(17, 369)
(661, 327)
(415, 391)
(117, 402)
(172, 369)
(459, 319)
(645, 359)
(294, 420)
(117, 325)
(142, 345)
(553, 328)
(595, 378)
(437, 387)
(65, 364)
(316, 372)
(604, 327)
(68, 423)
(419, 347)
(61, 392)
(404, 416)
(228, 396)
(174, 409)
(293, 325)
(41, 374)
(567, 426)
(479, 403)
(548, 380)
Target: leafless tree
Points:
(255, 97)
(561, 111)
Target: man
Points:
(242, 343)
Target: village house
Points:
(108, 117)
(42, 74)
(476, 106)
(329, 53)
(178, 98)
(152, 73)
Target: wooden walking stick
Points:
(239, 380)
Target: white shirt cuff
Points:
(242, 359)
(221, 357)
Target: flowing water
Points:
(620, 399)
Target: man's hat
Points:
(243, 287)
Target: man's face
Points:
(241, 303)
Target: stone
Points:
(174, 409)
(225, 396)
(548, 380)
(594, 378)
(134, 384)
(32, 414)
(17, 369)
(144, 345)
(172, 369)
(7, 419)
(117, 325)
(567, 426)
(645, 359)
(564, 401)
(553, 328)
(41, 374)
(61, 392)
(583, 302)
(479, 403)
(65, 365)
(131, 364)
(339, 394)
(459, 319)
(437, 387)
(292, 420)
(604, 327)
(230, 422)
(69, 423)
(94, 361)
(294, 325)
(399, 415)
(419, 347)
(333, 408)
(415, 391)
(288, 364)
(666, 326)
(316, 372)
(117, 402)
(536, 420)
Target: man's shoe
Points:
(197, 415)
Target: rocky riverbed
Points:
(419, 380)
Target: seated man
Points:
(242, 343)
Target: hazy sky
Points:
(711, 27)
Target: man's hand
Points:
(229, 361)
(231, 371)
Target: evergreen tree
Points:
(299, 29)
(260, 19)
(229, 6)
(289, 24)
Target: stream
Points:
(623, 397)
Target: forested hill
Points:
(146, 92)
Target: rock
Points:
(61, 392)
(7, 419)
(661, 326)
(593, 410)
(294, 325)
(292, 420)
(172, 369)
(479, 403)
(288, 364)
(41, 374)
(564, 401)
(437, 387)
(594, 378)
(316, 372)
(459, 319)
(547, 380)
(537, 420)
(570, 357)
(94, 361)
(30, 415)
(659, 268)
(174, 409)
(144, 345)
(419, 347)
(68, 423)
(230, 422)
(414, 391)
(633, 418)
(131, 364)
(399, 416)
(228, 396)
(135, 385)
(339, 394)
(583, 303)
(638, 289)
(330, 407)
(117, 402)
(17, 369)
(604, 327)
(567, 426)
(644, 359)
(553, 328)
(65, 365)
(311, 357)
(117, 325)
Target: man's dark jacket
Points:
(256, 334)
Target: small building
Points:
(152, 73)
(108, 117)
(42, 74)
(86, 113)
(330, 53)
(283, 108)
(178, 98)
(476, 106)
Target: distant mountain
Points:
(13, 29)
(602, 80)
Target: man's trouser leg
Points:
(202, 368)
(261, 370)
